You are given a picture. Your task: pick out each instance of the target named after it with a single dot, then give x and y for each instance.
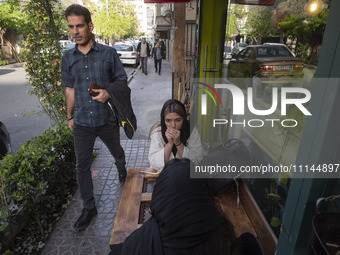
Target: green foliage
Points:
(288, 20)
(295, 7)
(302, 51)
(235, 14)
(293, 26)
(11, 17)
(275, 222)
(308, 32)
(42, 54)
(4, 62)
(37, 179)
(259, 24)
(114, 18)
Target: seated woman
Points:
(184, 218)
(172, 137)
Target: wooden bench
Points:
(135, 203)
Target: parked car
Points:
(63, 43)
(127, 53)
(5, 141)
(266, 64)
(227, 52)
(237, 48)
(135, 43)
(68, 47)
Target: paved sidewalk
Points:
(148, 93)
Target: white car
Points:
(227, 52)
(68, 47)
(63, 43)
(237, 48)
(127, 53)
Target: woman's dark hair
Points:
(78, 10)
(175, 106)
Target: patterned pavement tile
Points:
(107, 173)
(95, 246)
(63, 246)
(107, 188)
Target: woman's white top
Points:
(193, 150)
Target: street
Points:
(15, 102)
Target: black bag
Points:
(326, 232)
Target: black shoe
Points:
(159, 73)
(146, 73)
(85, 218)
(122, 174)
(156, 70)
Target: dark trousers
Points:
(84, 138)
(144, 64)
(159, 64)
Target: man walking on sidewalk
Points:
(157, 56)
(90, 62)
(143, 49)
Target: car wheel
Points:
(3, 150)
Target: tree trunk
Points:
(14, 51)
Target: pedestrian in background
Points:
(143, 49)
(90, 62)
(157, 56)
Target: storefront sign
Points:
(253, 2)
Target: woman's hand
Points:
(174, 135)
(168, 136)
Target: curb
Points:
(15, 65)
(133, 74)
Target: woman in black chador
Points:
(184, 218)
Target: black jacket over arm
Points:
(120, 106)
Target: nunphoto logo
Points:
(281, 99)
(250, 130)
(204, 96)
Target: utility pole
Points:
(179, 76)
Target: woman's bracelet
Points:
(178, 144)
(70, 118)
